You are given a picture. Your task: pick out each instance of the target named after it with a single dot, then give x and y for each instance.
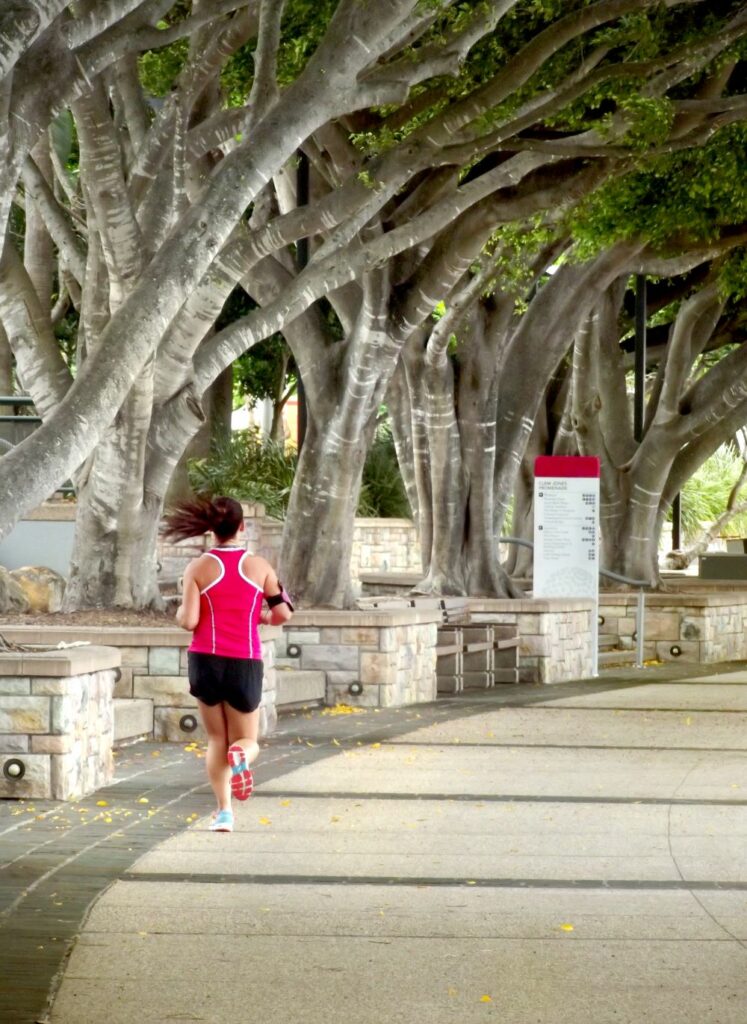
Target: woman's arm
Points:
(188, 612)
(279, 611)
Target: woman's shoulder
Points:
(256, 566)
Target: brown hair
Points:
(223, 516)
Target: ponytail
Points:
(223, 516)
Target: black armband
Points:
(282, 598)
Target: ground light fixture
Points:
(14, 769)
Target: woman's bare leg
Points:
(243, 728)
(214, 720)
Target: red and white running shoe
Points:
(242, 781)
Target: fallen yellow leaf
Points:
(566, 927)
(486, 999)
(265, 821)
(143, 800)
(102, 803)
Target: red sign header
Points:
(567, 465)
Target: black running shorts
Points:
(214, 678)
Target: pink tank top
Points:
(229, 611)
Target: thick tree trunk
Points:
(279, 401)
(479, 361)
(216, 430)
(114, 563)
(400, 418)
(113, 560)
(421, 468)
(318, 535)
(6, 364)
(446, 569)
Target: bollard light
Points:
(188, 723)
(355, 689)
(14, 769)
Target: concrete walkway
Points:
(530, 856)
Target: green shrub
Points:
(705, 494)
(254, 469)
(382, 491)
(247, 468)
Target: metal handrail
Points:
(610, 575)
(640, 611)
(16, 400)
(27, 400)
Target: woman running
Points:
(222, 606)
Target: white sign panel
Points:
(566, 532)
(566, 535)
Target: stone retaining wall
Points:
(370, 658)
(56, 722)
(154, 667)
(697, 626)
(555, 640)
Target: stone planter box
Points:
(154, 667)
(701, 626)
(555, 639)
(369, 658)
(56, 722)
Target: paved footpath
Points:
(528, 855)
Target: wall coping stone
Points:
(75, 661)
(530, 604)
(53, 512)
(391, 578)
(691, 600)
(119, 636)
(364, 617)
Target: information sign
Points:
(566, 530)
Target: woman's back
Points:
(230, 603)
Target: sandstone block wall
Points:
(154, 667)
(379, 545)
(370, 659)
(56, 723)
(555, 638)
(701, 627)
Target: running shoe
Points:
(222, 822)
(242, 782)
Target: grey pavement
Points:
(533, 855)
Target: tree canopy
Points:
(457, 151)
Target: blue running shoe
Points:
(222, 822)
